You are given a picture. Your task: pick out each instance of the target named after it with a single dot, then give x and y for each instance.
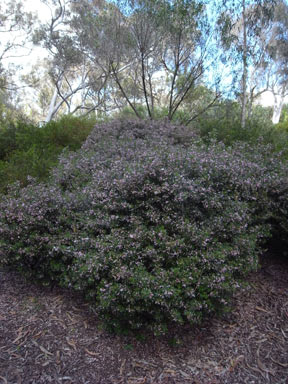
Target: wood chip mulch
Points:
(52, 336)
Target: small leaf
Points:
(45, 350)
(91, 353)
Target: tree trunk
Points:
(277, 107)
(245, 70)
(144, 86)
(51, 110)
(250, 105)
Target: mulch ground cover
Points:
(52, 336)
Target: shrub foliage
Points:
(227, 128)
(150, 223)
(29, 150)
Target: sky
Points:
(24, 62)
(267, 99)
(37, 8)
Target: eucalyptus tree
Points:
(169, 46)
(15, 31)
(75, 77)
(244, 27)
(154, 52)
(278, 51)
(186, 47)
(100, 32)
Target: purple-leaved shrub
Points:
(151, 224)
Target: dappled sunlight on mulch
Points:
(52, 336)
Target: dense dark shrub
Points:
(150, 223)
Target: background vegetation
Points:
(29, 150)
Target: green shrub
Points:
(282, 126)
(128, 113)
(7, 140)
(284, 113)
(159, 113)
(69, 131)
(26, 149)
(230, 131)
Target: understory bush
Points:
(229, 131)
(282, 126)
(152, 225)
(29, 150)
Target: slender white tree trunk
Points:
(52, 106)
(277, 107)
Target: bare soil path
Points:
(52, 336)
